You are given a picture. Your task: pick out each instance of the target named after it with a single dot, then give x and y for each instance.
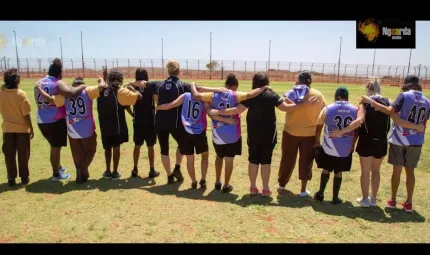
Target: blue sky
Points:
(292, 41)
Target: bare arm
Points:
(353, 125)
(27, 119)
(256, 92)
(382, 108)
(43, 93)
(67, 91)
(289, 106)
(139, 95)
(231, 121)
(128, 109)
(177, 102)
(318, 135)
(406, 124)
(195, 94)
(230, 111)
(209, 89)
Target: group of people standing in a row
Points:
(181, 111)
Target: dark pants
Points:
(83, 151)
(13, 143)
(290, 146)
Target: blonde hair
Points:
(373, 87)
(172, 67)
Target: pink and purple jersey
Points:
(297, 93)
(193, 115)
(80, 120)
(339, 115)
(223, 133)
(414, 107)
(47, 112)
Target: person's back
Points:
(224, 133)
(297, 93)
(261, 117)
(193, 115)
(339, 115)
(13, 104)
(414, 108)
(111, 113)
(144, 110)
(376, 124)
(48, 112)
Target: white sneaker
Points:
(373, 201)
(304, 193)
(62, 176)
(363, 202)
(281, 189)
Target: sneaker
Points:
(116, 176)
(61, 176)
(202, 184)
(153, 174)
(25, 180)
(373, 202)
(11, 182)
(281, 189)
(266, 193)
(107, 175)
(170, 179)
(336, 201)
(407, 207)
(319, 197)
(194, 185)
(391, 204)
(218, 185)
(178, 175)
(363, 202)
(227, 189)
(134, 173)
(63, 169)
(304, 193)
(254, 191)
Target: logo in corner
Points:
(369, 29)
(2, 41)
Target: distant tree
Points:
(212, 65)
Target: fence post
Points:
(72, 64)
(322, 79)
(28, 69)
(344, 73)
(403, 75)
(300, 67)
(198, 69)
(312, 67)
(355, 78)
(140, 62)
(277, 71)
(152, 65)
(425, 78)
(255, 64)
(334, 72)
(106, 63)
(128, 68)
(233, 66)
(378, 70)
(8, 63)
(95, 66)
(419, 70)
(244, 75)
(395, 75)
(415, 70)
(222, 69)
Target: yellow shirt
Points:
(127, 97)
(92, 92)
(321, 117)
(14, 106)
(302, 122)
(207, 96)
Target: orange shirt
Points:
(14, 106)
(303, 121)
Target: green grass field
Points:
(141, 210)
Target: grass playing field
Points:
(141, 210)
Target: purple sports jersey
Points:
(338, 116)
(223, 133)
(46, 111)
(80, 120)
(414, 107)
(193, 115)
(297, 93)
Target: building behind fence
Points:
(204, 70)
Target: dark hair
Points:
(115, 78)
(56, 68)
(231, 81)
(259, 80)
(305, 77)
(11, 78)
(141, 74)
(411, 86)
(78, 81)
(411, 79)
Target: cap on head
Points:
(411, 79)
(305, 77)
(341, 93)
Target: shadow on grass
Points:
(4, 187)
(374, 214)
(48, 186)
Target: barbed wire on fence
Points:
(218, 69)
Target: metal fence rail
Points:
(201, 70)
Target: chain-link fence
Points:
(218, 69)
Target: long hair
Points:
(56, 68)
(141, 74)
(11, 78)
(373, 87)
(259, 80)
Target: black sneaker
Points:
(227, 189)
(11, 182)
(25, 180)
(337, 201)
(218, 185)
(170, 179)
(107, 175)
(116, 176)
(202, 184)
(194, 185)
(319, 197)
(178, 175)
(153, 174)
(134, 173)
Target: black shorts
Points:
(190, 142)
(163, 138)
(55, 133)
(110, 141)
(228, 150)
(332, 163)
(143, 134)
(368, 147)
(260, 150)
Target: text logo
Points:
(28, 42)
(385, 34)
